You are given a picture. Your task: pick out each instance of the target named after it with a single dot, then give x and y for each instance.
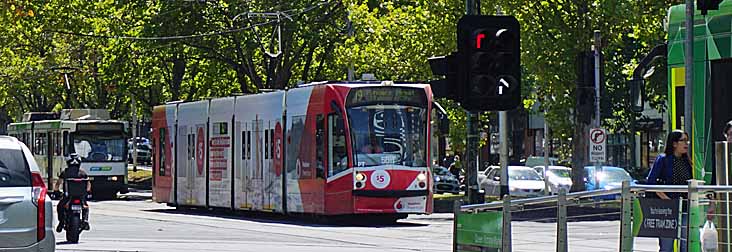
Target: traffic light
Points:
(489, 60)
(705, 5)
(449, 86)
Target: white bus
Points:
(100, 142)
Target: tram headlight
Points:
(114, 178)
(421, 177)
(360, 177)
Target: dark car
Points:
(144, 151)
(445, 182)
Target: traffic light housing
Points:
(489, 62)
(705, 5)
(448, 87)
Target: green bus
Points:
(99, 141)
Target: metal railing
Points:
(700, 204)
(567, 231)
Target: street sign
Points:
(598, 138)
(655, 218)
(479, 231)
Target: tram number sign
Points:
(380, 179)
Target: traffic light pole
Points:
(471, 155)
(471, 161)
(503, 139)
(598, 122)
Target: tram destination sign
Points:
(386, 95)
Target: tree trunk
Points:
(179, 71)
(581, 124)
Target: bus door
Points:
(339, 185)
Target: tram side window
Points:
(337, 152)
(243, 145)
(320, 145)
(249, 145)
(161, 151)
(271, 143)
(191, 146)
(266, 144)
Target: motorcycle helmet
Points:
(73, 160)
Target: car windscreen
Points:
(441, 171)
(614, 175)
(14, 171)
(562, 173)
(523, 174)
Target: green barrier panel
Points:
(479, 231)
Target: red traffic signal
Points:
(489, 57)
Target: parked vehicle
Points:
(144, 153)
(522, 182)
(534, 161)
(445, 182)
(610, 178)
(557, 177)
(26, 212)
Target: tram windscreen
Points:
(99, 147)
(388, 129)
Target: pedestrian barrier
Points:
(574, 221)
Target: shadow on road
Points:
(309, 220)
(66, 243)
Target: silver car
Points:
(26, 212)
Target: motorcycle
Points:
(76, 193)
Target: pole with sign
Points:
(598, 139)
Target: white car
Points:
(557, 177)
(522, 182)
(26, 213)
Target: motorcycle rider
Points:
(73, 170)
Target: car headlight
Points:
(421, 177)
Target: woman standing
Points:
(673, 168)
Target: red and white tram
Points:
(324, 148)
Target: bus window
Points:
(66, 143)
(337, 153)
(40, 144)
(57, 144)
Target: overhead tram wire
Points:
(180, 37)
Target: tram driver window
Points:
(337, 152)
